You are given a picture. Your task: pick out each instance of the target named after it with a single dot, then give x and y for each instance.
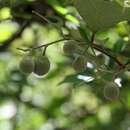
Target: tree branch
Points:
(105, 51)
(99, 48)
(44, 45)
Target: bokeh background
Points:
(62, 99)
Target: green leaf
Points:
(73, 78)
(101, 14)
(70, 79)
(118, 45)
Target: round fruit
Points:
(79, 64)
(26, 65)
(100, 60)
(42, 65)
(111, 91)
(70, 47)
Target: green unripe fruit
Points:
(70, 47)
(42, 65)
(99, 60)
(79, 64)
(26, 65)
(111, 91)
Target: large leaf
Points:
(101, 14)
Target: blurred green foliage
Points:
(62, 99)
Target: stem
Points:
(93, 45)
(92, 41)
(103, 50)
(44, 45)
(44, 51)
(93, 37)
(42, 17)
(48, 21)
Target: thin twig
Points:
(92, 41)
(48, 21)
(103, 50)
(93, 37)
(44, 45)
(42, 17)
(44, 51)
(93, 45)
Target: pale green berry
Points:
(100, 60)
(70, 47)
(42, 65)
(79, 64)
(26, 65)
(111, 91)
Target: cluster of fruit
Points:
(40, 65)
(70, 48)
(111, 90)
(82, 56)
